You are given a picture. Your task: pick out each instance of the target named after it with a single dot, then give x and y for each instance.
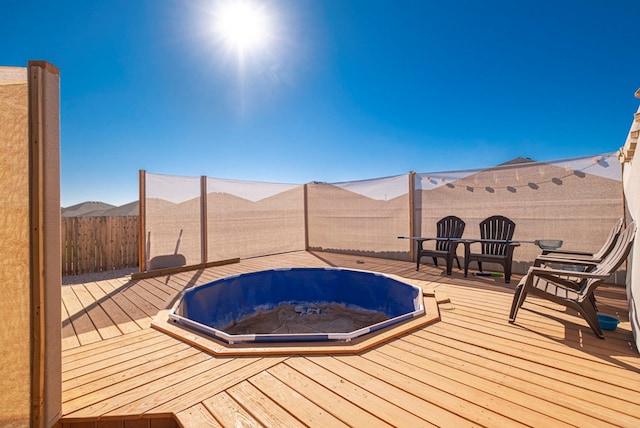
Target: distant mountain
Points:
(97, 209)
(132, 208)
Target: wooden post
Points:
(44, 222)
(204, 234)
(142, 224)
(306, 218)
(412, 210)
(36, 196)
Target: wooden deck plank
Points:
(98, 380)
(118, 316)
(82, 325)
(148, 291)
(471, 368)
(506, 400)
(150, 308)
(229, 412)
(129, 390)
(361, 397)
(172, 284)
(313, 391)
(548, 333)
(574, 364)
(197, 416)
(137, 315)
(101, 320)
(165, 290)
(557, 328)
(69, 338)
(581, 366)
(544, 325)
(106, 350)
(303, 409)
(212, 383)
(451, 409)
(262, 407)
(492, 366)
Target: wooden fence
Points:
(98, 244)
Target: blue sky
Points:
(344, 90)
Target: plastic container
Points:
(607, 322)
(549, 244)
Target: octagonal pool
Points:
(297, 304)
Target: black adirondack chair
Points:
(496, 232)
(445, 248)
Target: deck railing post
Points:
(412, 209)
(44, 221)
(203, 220)
(142, 224)
(306, 218)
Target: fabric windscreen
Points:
(360, 217)
(173, 226)
(248, 219)
(576, 200)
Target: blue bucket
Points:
(607, 322)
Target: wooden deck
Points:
(472, 368)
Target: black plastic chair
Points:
(495, 228)
(445, 248)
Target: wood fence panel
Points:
(98, 244)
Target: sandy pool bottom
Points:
(306, 318)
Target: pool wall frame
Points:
(211, 307)
(214, 346)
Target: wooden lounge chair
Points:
(598, 256)
(496, 233)
(574, 289)
(448, 227)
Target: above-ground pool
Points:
(297, 304)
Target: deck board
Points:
(83, 327)
(117, 292)
(261, 406)
(238, 369)
(69, 338)
(116, 314)
(419, 397)
(300, 407)
(347, 386)
(114, 373)
(472, 368)
(129, 391)
(199, 416)
(229, 412)
(315, 392)
(101, 320)
(474, 392)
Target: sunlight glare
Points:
(243, 25)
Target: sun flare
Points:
(243, 25)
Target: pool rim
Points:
(302, 338)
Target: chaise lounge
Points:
(574, 289)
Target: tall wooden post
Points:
(306, 218)
(44, 227)
(142, 225)
(204, 234)
(412, 210)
